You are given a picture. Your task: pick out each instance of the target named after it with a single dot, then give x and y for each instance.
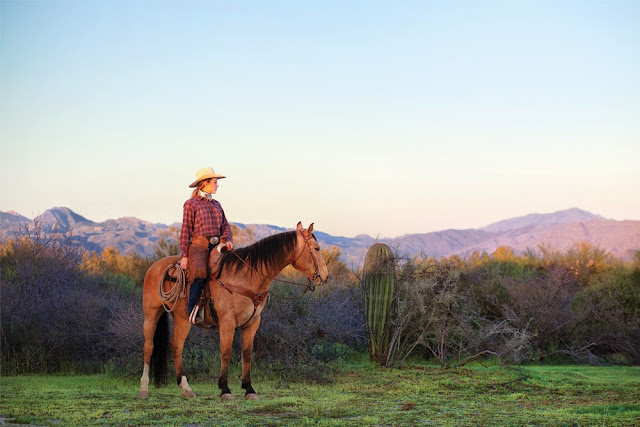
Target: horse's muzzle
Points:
(319, 281)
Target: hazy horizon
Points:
(323, 230)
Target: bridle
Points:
(316, 273)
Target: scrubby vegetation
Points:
(580, 305)
(67, 310)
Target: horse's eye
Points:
(318, 249)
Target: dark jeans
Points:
(194, 293)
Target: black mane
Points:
(268, 251)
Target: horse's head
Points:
(307, 257)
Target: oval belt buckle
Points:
(214, 240)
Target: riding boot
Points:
(194, 293)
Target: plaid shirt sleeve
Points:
(188, 220)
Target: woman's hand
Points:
(230, 245)
(184, 263)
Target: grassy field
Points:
(361, 395)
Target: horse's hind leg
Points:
(149, 329)
(248, 335)
(181, 329)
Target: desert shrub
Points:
(300, 338)
(54, 314)
(583, 260)
(439, 314)
(123, 340)
(168, 243)
(447, 321)
(609, 328)
(545, 303)
(111, 262)
(292, 328)
(581, 303)
(339, 274)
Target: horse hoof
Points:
(188, 393)
(227, 397)
(143, 395)
(252, 396)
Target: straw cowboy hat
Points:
(205, 173)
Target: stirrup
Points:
(197, 316)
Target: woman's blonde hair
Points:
(199, 187)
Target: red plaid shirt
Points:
(202, 217)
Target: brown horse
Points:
(238, 296)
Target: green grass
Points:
(360, 395)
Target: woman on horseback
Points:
(204, 226)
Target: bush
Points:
(54, 315)
(443, 319)
(586, 310)
(292, 328)
(610, 325)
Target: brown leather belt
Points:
(205, 240)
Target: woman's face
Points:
(211, 186)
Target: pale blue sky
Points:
(375, 117)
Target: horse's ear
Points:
(299, 227)
(311, 228)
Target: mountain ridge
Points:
(558, 230)
(559, 217)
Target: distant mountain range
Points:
(558, 230)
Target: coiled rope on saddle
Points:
(176, 291)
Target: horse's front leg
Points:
(226, 330)
(248, 335)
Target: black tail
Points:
(159, 357)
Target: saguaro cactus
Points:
(379, 282)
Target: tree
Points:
(243, 236)
(339, 274)
(168, 243)
(503, 253)
(111, 261)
